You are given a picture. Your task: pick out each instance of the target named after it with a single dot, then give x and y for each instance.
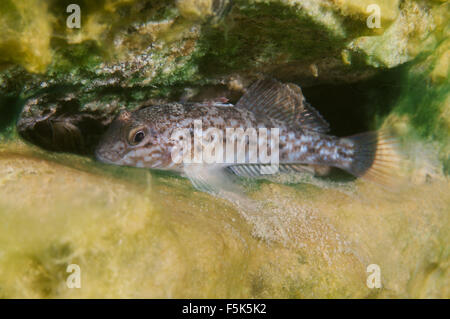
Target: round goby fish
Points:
(145, 138)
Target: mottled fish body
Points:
(144, 138)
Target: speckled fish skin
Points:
(160, 122)
(143, 138)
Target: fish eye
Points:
(136, 136)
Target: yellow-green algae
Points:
(25, 35)
(174, 36)
(140, 234)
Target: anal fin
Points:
(265, 170)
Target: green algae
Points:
(424, 107)
(246, 38)
(289, 37)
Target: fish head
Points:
(133, 140)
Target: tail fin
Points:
(376, 158)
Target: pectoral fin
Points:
(213, 179)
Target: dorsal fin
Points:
(284, 102)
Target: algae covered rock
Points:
(138, 233)
(127, 52)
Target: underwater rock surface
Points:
(140, 233)
(152, 235)
(126, 53)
